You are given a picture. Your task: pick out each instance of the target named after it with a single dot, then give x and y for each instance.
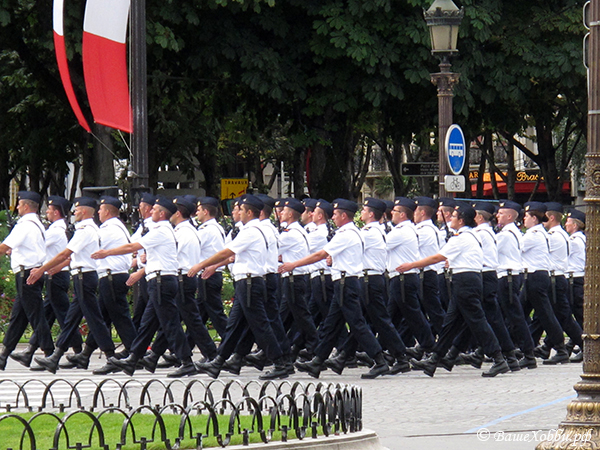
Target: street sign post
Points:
(456, 149)
(420, 169)
(233, 187)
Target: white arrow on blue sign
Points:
(456, 149)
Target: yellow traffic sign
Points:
(233, 187)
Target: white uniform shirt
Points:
(212, 239)
(310, 227)
(464, 252)
(487, 237)
(509, 250)
(113, 234)
(188, 246)
(375, 255)
(272, 235)
(27, 243)
(535, 249)
(137, 235)
(317, 239)
(559, 249)
(56, 240)
(577, 254)
(85, 241)
(161, 250)
(293, 245)
(346, 249)
(250, 248)
(402, 247)
(430, 242)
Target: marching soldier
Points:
(510, 279)
(250, 250)
(465, 259)
(346, 250)
(26, 243)
(212, 240)
(85, 241)
(402, 247)
(429, 244)
(536, 262)
(56, 303)
(307, 216)
(161, 311)
(575, 226)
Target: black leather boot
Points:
(528, 361)
(150, 361)
(337, 363)
(426, 365)
(127, 365)
(24, 358)
(233, 364)
(257, 360)
(560, 357)
(50, 363)
(447, 362)
(415, 352)
(312, 367)
(169, 360)
(364, 360)
(512, 361)
(542, 351)
(279, 370)
(475, 358)
(79, 360)
(212, 368)
(400, 366)
(3, 358)
(187, 368)
(499, 366)
(379, 368)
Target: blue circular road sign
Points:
(456, 149)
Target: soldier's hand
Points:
(54, 270)
(194, 270)
(404, 267)
(100, 254)
(143, 258)
(34, 275)
(329, 260)
(134, 278)
(208, 272)
(286, 267)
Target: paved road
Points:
(412, 411)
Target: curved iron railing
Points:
(283, 406)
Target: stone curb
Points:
(360, 440)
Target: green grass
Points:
(79, 425)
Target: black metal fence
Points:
(302, 409)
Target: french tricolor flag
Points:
(105, 62)
(63, 63)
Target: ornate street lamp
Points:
(443, 19)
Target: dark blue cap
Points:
(191, 198)
(59, 202)
(112, 201)
(310, 202)
(149, 198)
(252, 201)
(406, 202)
(347, 205)
(187, 203)
(208, 201)
(576, 214)
(279, 202)
(375, 203)
(468, 212)
(268, 201)
(536, 207)
(238, 201)
(484, 206)
(389, 205)
(426, 201)
(166, 203)
(85, 201)
(509, 204)
(554, 206)
(325, 206)
(295, 204)
(29, 195)
(446, 201)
